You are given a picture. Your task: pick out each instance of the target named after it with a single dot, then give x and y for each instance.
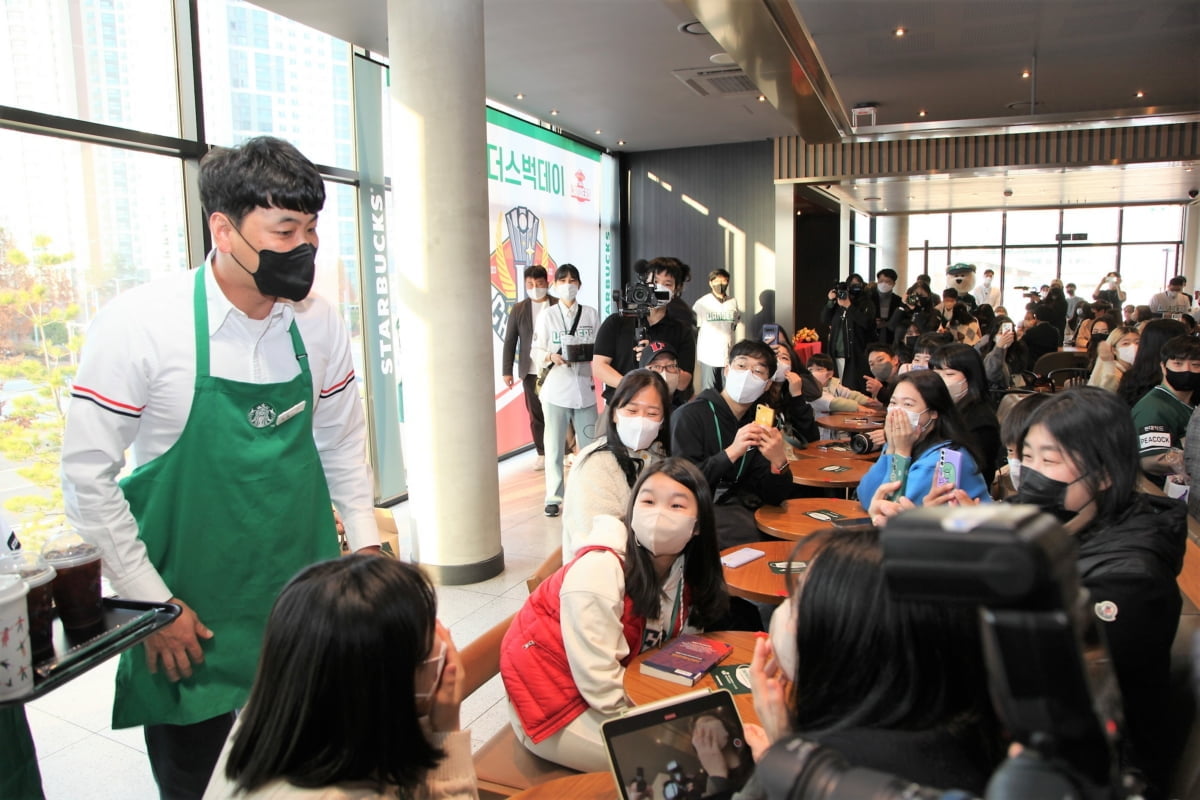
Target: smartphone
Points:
(948, 467)
(770, 333)
(1008, 327)
(852, 522)
(765, 416)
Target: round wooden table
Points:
(801, 517)
(588, 786)
(850, 422)
(645, 689)
(829, 473)
(833, 448)
(756, 581)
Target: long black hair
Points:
(702, 560)
(1094, 430)
(1146, 371)
(965, 359)
(633, 382)
(333, 699)
(948, 424)
(867, 659)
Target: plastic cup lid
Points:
(29, 565)
(69, 549)
(12, 588)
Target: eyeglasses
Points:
(671, 368)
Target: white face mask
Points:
(781, 370)
(783, 637)
(1014, 472)
(662, 532)
(637, 433)
(743, 385)
(425, 695)
(1127, 353)
(884, 288)
(538, 293)
(987, 282)
(565, 291)
(914, 417)
(658, 287)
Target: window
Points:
(976, 227)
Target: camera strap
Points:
(574, 325)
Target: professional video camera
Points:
(1018, 566)
(641, 297)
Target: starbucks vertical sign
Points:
(379, 325)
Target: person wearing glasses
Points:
(744, 462)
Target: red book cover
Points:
(685, 659)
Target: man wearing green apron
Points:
(235, 391)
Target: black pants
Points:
(182, 757)
(537, 423)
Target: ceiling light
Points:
(899, 32)
(598, 131)
(1139, 94)
(872, 197)
(721, 59)
(519, 95)
(762, 98)
(1025, 73)
(554, 112)
(694, 28)
(620, 142)
(921, 113)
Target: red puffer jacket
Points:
(533, 659)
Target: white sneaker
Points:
(539, 463)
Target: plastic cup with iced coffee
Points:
(38, 577)
(77, 582)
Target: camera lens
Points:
(862, 443)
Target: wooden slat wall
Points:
(796, 160)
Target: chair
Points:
(1068, 377)
(545, 570)
(503, 767)
(1061, 360)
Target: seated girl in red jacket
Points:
(634, 584)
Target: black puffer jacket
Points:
(1129, 565)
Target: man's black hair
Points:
(536, 271)
(263, 172)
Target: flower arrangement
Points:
(805, 335)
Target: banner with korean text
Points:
(547, 201)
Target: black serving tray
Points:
(125, 623)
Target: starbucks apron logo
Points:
(261, 416)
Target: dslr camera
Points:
(843, 290)
(1017, 566)
(863, 443)
(640, 298)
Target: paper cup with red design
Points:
(16, 651)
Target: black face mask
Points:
(1183, 381)
(1046, 493)
(856, 288)
(289, 275)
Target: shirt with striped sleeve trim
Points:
(133, 391)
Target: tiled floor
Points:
(82, 756)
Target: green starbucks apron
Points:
(228, 514)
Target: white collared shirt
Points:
(134, 391)
(567, 385)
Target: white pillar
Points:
(891, 241)
(785, 257)
(1190, 261)
(440, 190)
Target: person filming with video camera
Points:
(851, 320)
(641, 318)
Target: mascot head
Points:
(961, 277)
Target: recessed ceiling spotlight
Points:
(1025, 73)
(900, 32)
(921, 113)
(598, 131)
(554, 112)
(1139, 94)
(694, 28)
(519, 95)
(721, 59)
(762, 98)
(620, 142)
